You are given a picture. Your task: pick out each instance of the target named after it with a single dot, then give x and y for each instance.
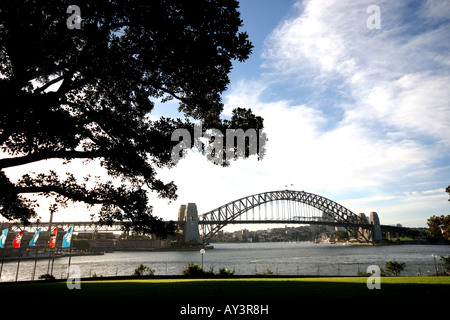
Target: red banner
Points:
(17, 240)
(53, 238)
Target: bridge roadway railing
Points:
(318, 221)
(315, 221)
(65, 225)
(118, 226)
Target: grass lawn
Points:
(283, 295)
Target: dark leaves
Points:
(73, 93)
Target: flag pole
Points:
(3, 260)
(52, 244)
(17, 244)
(33, 243)
(53, 248)
(35, 263)
(70, 254)
(70, 247)
(18, 262)
(2, 245)
(49, 259)
(53, 261)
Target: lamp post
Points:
(202, 251)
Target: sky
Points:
(353, 113)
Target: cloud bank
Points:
(356, 113)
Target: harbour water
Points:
(299, 258)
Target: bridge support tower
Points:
(376, 228)
(188, 216)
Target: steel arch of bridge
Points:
(332, 213)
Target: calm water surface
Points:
(299, 258)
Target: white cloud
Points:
(395, 112)
(436, 9)
(435, 191)
(347, 157)
(394, 78)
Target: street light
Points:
(202, 251)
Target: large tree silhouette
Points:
(85, 93)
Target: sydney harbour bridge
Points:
(273, 207)
(283, 207)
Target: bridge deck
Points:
(321, 222)
(116, 226)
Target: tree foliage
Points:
(394, 268)
(86, 94)
(446, 261)
(195, 270)
(143, 270)
(439, 227)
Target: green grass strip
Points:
(280, 294)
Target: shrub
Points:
(95, 275)
(368, 274)
(446, 261)
(266, 272)
(394, 268)
(225, 272)
(47, 277)
(363, 274)
(194, 269)
(143, 270)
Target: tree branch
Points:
(44, 155)
(48, 84)
(60, 191)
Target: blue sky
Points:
(354, 114)
(357, 115)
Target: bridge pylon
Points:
(188, 218)
(376, 227)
